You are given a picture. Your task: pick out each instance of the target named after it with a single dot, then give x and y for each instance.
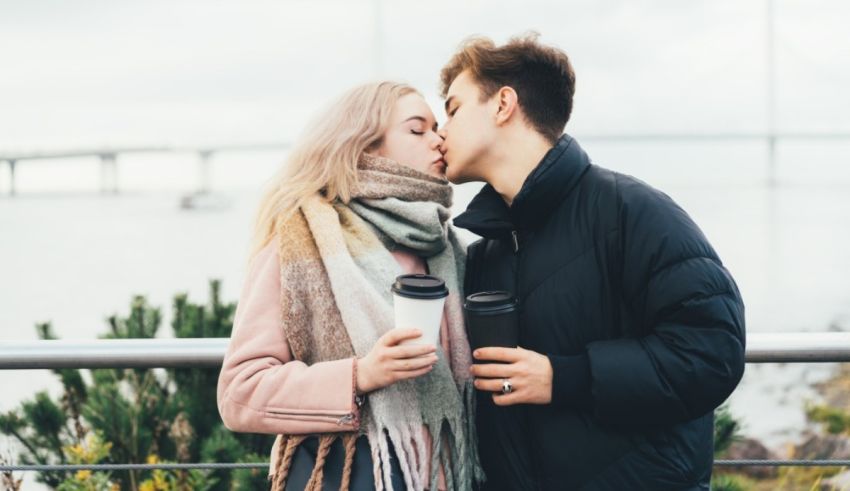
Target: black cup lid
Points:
(490, 302)
(420, 286)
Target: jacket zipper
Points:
(345, 419)
(515, 240)
(515, 237)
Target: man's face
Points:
(469, 130)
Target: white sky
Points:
(96, 73)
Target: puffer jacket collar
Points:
(548, 184)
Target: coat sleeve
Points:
(261, 388)
(690, 355)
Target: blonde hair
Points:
(324, 161)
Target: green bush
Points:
(140, 415)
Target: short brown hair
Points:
(541, 75)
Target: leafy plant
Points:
(138, 414)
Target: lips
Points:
(440, 166)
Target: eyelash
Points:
(451, 114)
(417, 132)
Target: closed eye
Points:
(417, 132)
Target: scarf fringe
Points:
(384, 462)
(376, 463)
(448, 451)
(468, 394)
(436, 451)
(401, 449)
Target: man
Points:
(631, 329)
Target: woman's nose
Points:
(437, 142)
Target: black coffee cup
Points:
(492, 319)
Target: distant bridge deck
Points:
(109, 155)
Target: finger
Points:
(509, 355)
(413, 373)
(488, 384)
(395, 336)
(410, 351)
(412, 363)
(508, 399)
(493, 370)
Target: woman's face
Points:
(411, 138)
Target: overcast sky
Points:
(94, 73)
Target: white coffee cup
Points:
(418, 301)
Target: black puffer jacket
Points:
(643, 325)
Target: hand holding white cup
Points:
(389, 361)
(409, 350)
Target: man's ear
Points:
(508, 104)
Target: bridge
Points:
(109, 160)
(109, 156)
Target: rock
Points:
(838, 481)
(750, 449)
(822, 447)
(835, 392)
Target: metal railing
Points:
(797, 347)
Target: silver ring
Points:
(507, 388)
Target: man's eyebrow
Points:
(448, 102)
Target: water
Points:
(75, 257)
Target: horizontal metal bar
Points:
(131, 467)
(113, 353)
(265, 465)
(800, 347)
(782, 463)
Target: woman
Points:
(313, 356)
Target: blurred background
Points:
(738, 110)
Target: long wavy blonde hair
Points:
(324, 160)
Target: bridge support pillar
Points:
(12, 190)
(108, 173)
